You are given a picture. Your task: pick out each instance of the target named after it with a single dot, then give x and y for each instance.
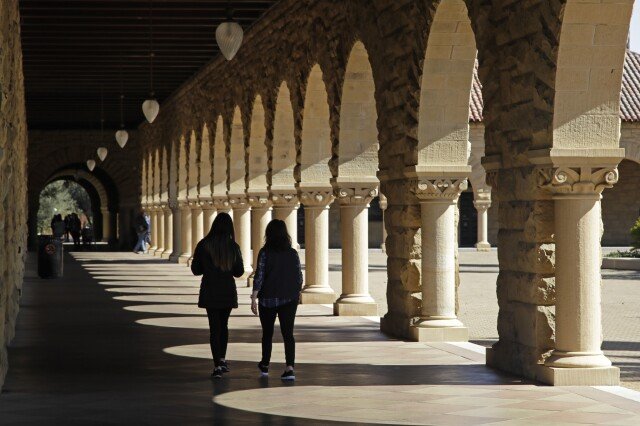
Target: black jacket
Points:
(218, 287)
(278, 275)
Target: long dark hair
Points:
(276, 237)
(220, 242)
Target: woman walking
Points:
(277, 284)
(217, 257)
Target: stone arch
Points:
(237, 166)
(258, 159)
(164, 176)
(182, 169)
(445, 90)
(172, 186)
(206, 169)
(220, 163)
(358, 140)
(316, 132)
(150, 183)
(591, 52)
(157, 188)
(78, 175)
(283, 160)
(144, 182)
(193, 161)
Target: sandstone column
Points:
(316, 203)
(285, 208)
(242, 228)
(168, 232)
(482, 204)
(577, 358)
(106, 224)
(160, 235)
(197, 224)
(185, 233)
(153, 217)
(260, 218)
(383, 207)
(438, 203)
(354, 202)
(209, 215)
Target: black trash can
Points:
(50, 252)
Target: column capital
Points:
(316, 197)
(259, 200)
(354, 193)
(285, 197)
(238, 201)
(576, 181)
(382, 201)
(221, 202)
(438, 188)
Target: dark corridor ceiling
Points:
(73, 49)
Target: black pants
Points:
(287, 315)
(218, 333)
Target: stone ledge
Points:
(628, 263)
(317, 298)
(603, 376)
(444, 334)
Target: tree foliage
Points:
(61, 197)
(635, 235)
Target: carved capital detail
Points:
(285, 198)
(238, 201)
(576, 180)
(259, 201)
(440, 188)
(316, 197)
(221, 203)
(356, 194)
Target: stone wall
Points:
(13, 175)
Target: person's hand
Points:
(254, 306)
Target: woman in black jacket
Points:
(277, 284)
(217, 257)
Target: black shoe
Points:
(288, 375)
(217, 373)
(264, 369)
(224, 366)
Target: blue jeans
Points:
(141, 245)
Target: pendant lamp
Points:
(150, 107)
(102, 153)
(229, 36)
(121, 135)
(91, 164)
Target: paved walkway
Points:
(119, 341)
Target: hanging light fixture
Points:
(229, 35)
(91, 164)
(121, 135)
(102, 153)
(151, 107)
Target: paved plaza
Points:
(119, 340)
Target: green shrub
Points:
(635, 235)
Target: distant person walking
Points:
(218, 259)
(142, 227)
(74, 229)
(58, 227)
(277, 284)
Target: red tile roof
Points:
(629, 96)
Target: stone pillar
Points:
(106, 224)
(316, 203)
(168, 232)
(160, 231)
(260, 218)
(242, 228)
(285, 208)
(208, 216)
(383, 207)
(354, 202)
(197, 225)
(438, 203)
(185, 233)
(153, 216)
(482, 204)
(577, 358)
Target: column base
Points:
(158, 252)
(483, 247)
(355, 309)
(317, 296)
(166, 255)
(439, 334)
(174, 257)
(597, 376)
(184, 258)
